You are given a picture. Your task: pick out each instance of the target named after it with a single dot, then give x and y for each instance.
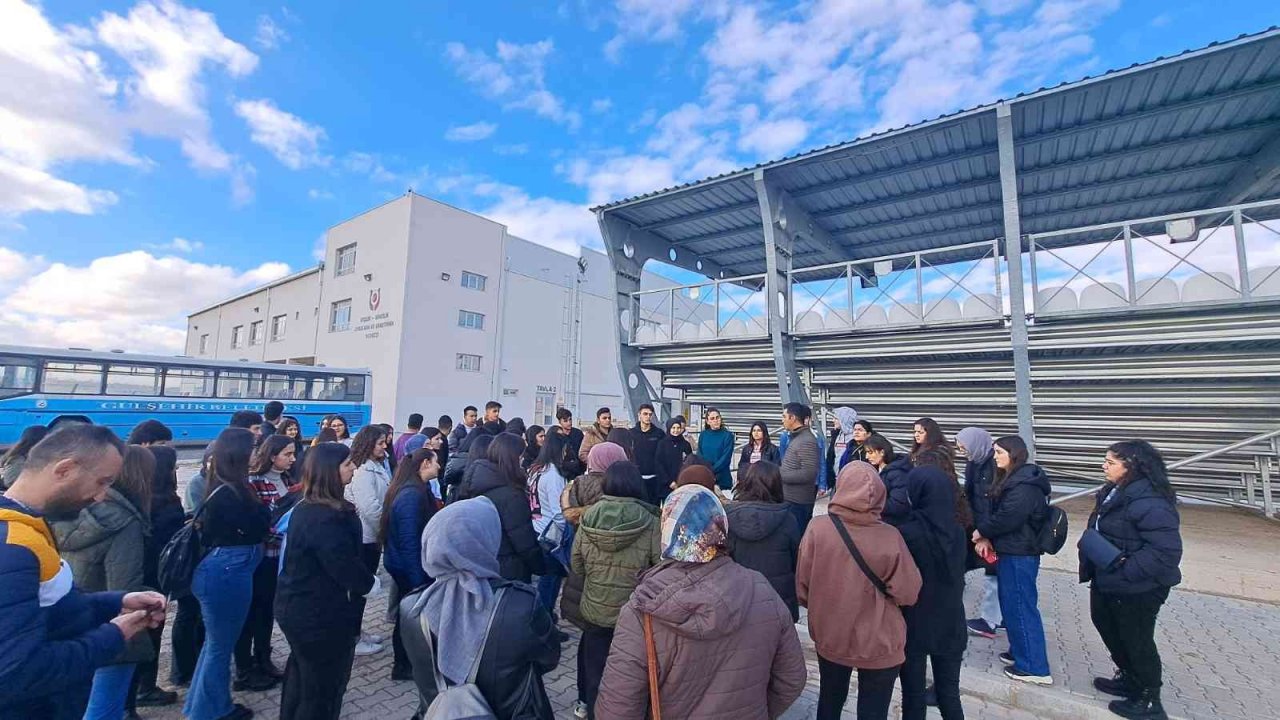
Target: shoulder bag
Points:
(651, 652)
(857, 557)
(465, 701)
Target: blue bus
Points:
(194, 397)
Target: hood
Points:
(482, 476)
(860, 495)
(754, 521)
(846, 416)
(97, 523)
(614, 523)
(1029, 474)
(13, 512)
(704, 601)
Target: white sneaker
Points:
(579, 709)
(368, 648)
(372, 639)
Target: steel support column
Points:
(1017, 289)
(778, 249)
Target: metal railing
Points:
(716, 309)
(1261, 460)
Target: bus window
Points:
(329, 388)
(298, 388)
(16, 377)
(355, 387)
(188, 382)
(133, 380)
(239, 385)
(276, 387)
(72, 378)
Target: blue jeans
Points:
(803, 513)
(549, 584)
(110, 686)
(1019, 605)
(223, 583)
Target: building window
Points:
(340, 316)
(255, 333)
(472, 281)
(470, 320)
(204, 344)
(237, 337)
(277, 327)
(468, 363)
(345, 262)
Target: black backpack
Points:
(181, 555)
(1053, 531)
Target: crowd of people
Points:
(684, 572)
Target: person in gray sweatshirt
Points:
(800, 464)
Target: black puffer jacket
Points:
(978, 477)
(1018, 512)
(321, 588)
(894, 477)
(768, 454)
(519, 556)
(765, 537)
(1144, 524)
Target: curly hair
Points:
(364, 443)
(1142, 460)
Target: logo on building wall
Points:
(375, 299)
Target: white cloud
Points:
(242, 184)
(617, 177)
(363, 163)
(470, 133)
(560, 225)
(133, 301)
(601, 105)
(179, 245)
(771, 138)
(652, 20)
(26, 189)
(269, 35)
(317, 194)
(516, 149)
(514, 76)
(292, 140)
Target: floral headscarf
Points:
(694, 525)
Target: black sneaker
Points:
(1007, 659)
(1145, 705)
(269, 669)
(981, 628)
(253, 682)
(238, 712)
(1119, 685)
(155, 697)
(1012, 672)
(401, 672)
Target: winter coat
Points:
(593, 436)
(726, 646)
(801, 464)
(668, 459)
(852, 452)
(1017, 513)
(411, 510)
(851, 622)
(716, 447)
(581, 494)
(105, 545)
(520, 555)
(367, 491)
(618, 540)
(767, 454)
(765, 537)
(644, 445)
(323, 580)
(938, 545)
(574, 465)
(894, 476)
(1143, 524)
(978, 477)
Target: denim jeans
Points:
(990, 608)
(223, 584)
(803, 513)
(110, 686)
(549, 584)
(1019, 604)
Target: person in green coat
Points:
(715, 445)
(619, 537)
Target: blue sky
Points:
(157, 156)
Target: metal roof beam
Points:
(779, 246)
(1259, 171)
(645, 246)
(791, 218)
(703, 215)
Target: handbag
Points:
(465, 701)
(651, 653)
(857, 557)
(181, 555)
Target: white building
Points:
(445, 307)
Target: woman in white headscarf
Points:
(979, 471)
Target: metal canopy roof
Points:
(1194, 131)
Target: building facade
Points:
(446, 309)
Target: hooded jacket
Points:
(1143, 524)
(644, 444)
(894, 476)
(716, 447)
(519, 556)
(765, 537)
(801, 465)
(726, 646)
(668, 458)
(938, 544)
(850, 621)
(593, 436)
(618, 539)
(1017, 512)
(52, 636)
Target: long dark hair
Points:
(287, 421)
(1142, 460)
(362, 447)
(346, 426)
(933, 437)
(322, 478)
(406, 475)
(761, 482)
(881, 444)
(135, 476)
(554, 450)
(623, 479)
(504, 452)
(1018, 455)
(30, 436)
(531, 448)
(265, 456)
(229, 461)
(941, 459)
(767, 442)
(164, 483)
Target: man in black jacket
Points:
(644, 441)
(573, 442)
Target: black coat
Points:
(526, 645)
(645, 445)
(668, 458)
(765, 537)
(1018, 512)
(769, 453)
(519, 555)
(1144, 524)
(938, 544)
(321, 590)
(894, 477)
(573, 445)
(978, 477)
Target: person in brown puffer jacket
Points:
(725, 643)
(853, 624)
